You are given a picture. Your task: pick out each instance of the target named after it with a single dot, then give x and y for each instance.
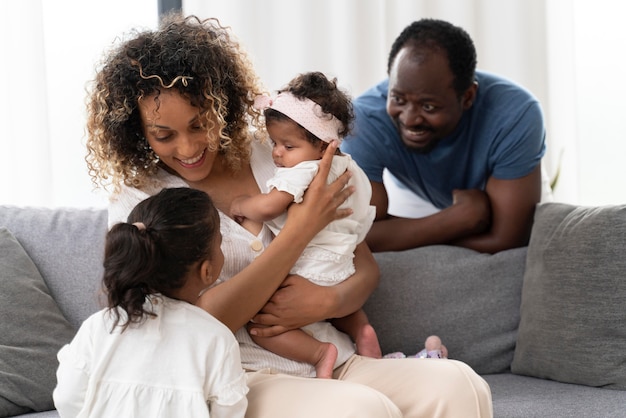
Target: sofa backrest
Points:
(67, 246)
(471, 300)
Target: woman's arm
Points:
(238, 299)
(299, 302)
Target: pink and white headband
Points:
(305, 112)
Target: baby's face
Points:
(291, 146)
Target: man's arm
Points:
(512, 210)
(469, 214)
(490, 221)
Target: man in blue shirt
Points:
(466, 142)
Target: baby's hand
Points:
(235, 209)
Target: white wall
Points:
(567, 52)
(600, 80)
(49, 51)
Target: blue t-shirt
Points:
(501, 135)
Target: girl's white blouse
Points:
(183, 362)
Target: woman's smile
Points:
(175, 133)
(193, 162)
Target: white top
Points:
(327, 260)
(183, 362)
(240, 247)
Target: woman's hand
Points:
(241, 297)
(321, 201)
(296, 303)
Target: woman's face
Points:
(176, 134)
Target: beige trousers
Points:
(374, 388)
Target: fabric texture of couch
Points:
(544, 324)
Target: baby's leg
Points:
(300, 346)
(357, 326)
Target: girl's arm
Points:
(235, 301)
(299, 302)
(227, 389)
(72, 381)
(236, 410)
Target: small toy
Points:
(433, 349)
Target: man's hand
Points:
(474, 207)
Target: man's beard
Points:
(417, 150)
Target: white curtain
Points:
(49, 50)
(351, 38)
(566, 52)
(586, 67)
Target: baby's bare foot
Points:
(367, 343)
(327, 355)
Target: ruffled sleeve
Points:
(228, 393)
(294, 180)
(73, 373)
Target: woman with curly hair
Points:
(173, 107)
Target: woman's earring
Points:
(142, 145)
(154, 157)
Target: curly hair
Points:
(317, 87)
(199, 59)
(452, 40)
(178, 227)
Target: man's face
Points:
(422, 101)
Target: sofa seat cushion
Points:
(573, 312)
(32, 331)
(517, 396)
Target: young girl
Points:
(152, 353)
(301, 120)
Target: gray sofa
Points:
(544, 324)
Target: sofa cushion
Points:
(573, 312)
(471, 300)
(67, 246)
(516, 396)
(32, 331)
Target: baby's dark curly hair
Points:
(323, 91)
(452, 40)
(197, 58)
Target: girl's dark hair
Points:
(452, 40)
(317, 87)
(165, 235)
